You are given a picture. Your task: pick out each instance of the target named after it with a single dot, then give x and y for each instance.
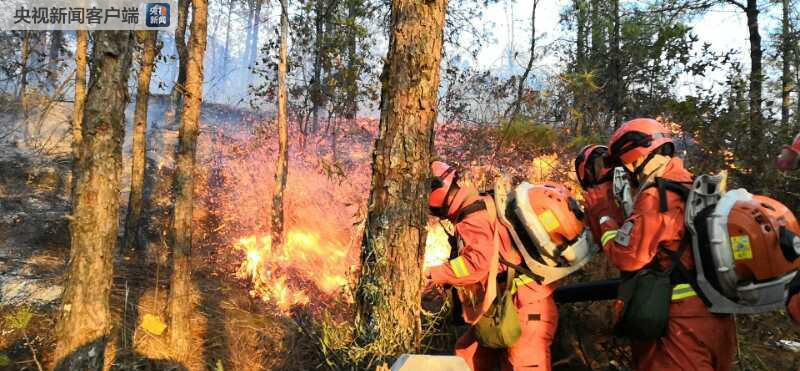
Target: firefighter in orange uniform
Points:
(595, 180)
(474, 268)
(789, 159)
(696, 339)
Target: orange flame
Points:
(309, 262)
(321, 265)
(437, 247)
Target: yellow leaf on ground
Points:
(4, 360)
(153, 324)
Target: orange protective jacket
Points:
(476, 263)
(696, 338)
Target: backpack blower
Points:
(545, 224)
(740, 243)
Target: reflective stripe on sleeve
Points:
(682, 291)
(521, 280)
(459, 267)
(608, 236)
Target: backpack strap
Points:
(665, 185)
(679, 272)
(492, 211)
(469, 209)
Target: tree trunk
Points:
(81, 49)
(23, 76)
(351, 111)
(256, 26)
(84, 323)
(389, 289)
(149, 52)
(756, 76)
(614, 68)
(598, 29)
(227, 56)
(248, 39)
(797, 79)
(582, 25)
(316, 87)
(531, 59)
(786, 58)
(53, 56)
(281, 166)
(180, 45)
(180, 305)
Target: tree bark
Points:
(582, 25)
(180, 45)
(23, 76)
(248, 39)
(786, 58)
(56, 43)
(614, 67)
(256, 26)
(756, 76)
(282, 165)
(389, 288)
(83, 326)
(227, 56)
(180, 306)
(81, 49)
(316, 87)
(352, 62)
(598, 30)
(149, 52)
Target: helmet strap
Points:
(638, 175)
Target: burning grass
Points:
(324, 201)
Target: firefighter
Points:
(595, 178)
(476, 267)
(695, 338)
(789, 159)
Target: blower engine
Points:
(545, 224)
(736, 242)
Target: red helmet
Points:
(789, 158)
(443, 177)
(636, 139)
(586, 166)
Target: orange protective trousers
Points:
(538, 320)
(694, 341)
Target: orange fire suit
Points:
(696, 339)
(537, 310)
(599, 202)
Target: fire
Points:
(285, 275)
(542, 167)
(437, 247)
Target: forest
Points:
(249, 190)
